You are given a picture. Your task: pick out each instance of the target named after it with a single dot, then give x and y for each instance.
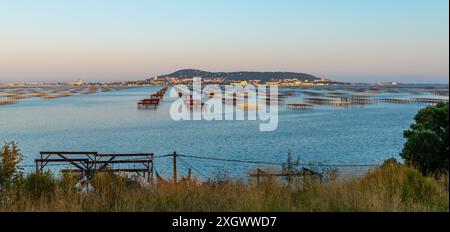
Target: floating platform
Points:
(154, 100)
(299, 106)
(157, 96)
(7, 102)
(396, 100)
(376, 91)
(326, 101)
(147, 103)
(336, 95)
(195, 104)
(362, 101)
(248, 106)
(49, 97)
(429, 100)
(311, 93)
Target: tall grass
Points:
(390, 187)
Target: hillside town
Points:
(185, 77)
(176, 81)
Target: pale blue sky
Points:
(356, 40)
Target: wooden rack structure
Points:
(86, 164)
(299, 106)
(154, 100)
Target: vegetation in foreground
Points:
(390, 187)
(421, 184)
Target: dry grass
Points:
(392, 187)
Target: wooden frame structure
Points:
(431, 101)
(147, 103)
(299, 106)
(154, 100)
(157, 96)
(88, 163)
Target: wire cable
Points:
(231, 160)
(205, 176)
(275, 163)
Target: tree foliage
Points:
(427, 140)
(10, 157)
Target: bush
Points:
(39, 184)
(111, 183)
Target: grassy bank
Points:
(391, 187)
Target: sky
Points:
(102, 40)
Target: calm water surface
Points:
(110, 122)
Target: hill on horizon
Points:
(242, 76)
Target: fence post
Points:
(174, 167)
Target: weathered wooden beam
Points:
(66, 153)
(120, 161)
(121, 155)
(61, 160)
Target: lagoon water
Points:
(109, 122)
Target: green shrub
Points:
(39, 184)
